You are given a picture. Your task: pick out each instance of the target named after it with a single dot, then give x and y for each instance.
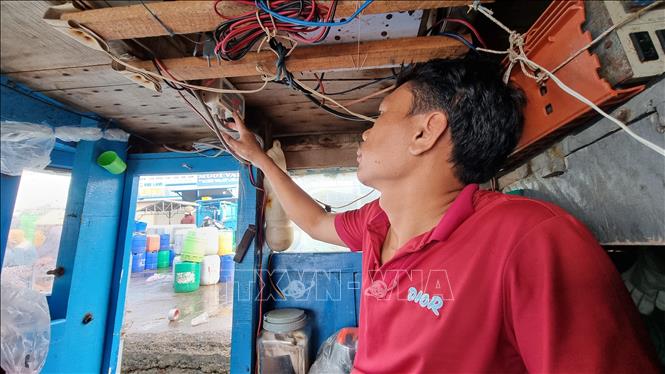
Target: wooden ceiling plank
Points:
(278, 95)
(69, 78)
(374, 54)
(358, 76)
(27, 43)
(185, 17)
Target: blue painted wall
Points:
(332, 281)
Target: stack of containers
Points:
(163, 259)
(192, 247)
(164, 254)
(138, 252)
(225, 252)
(151, 256)
(187, 267)
(210, 263)
(152, 241)
(187, 276)
(164, 241)
(151, 260)
(226, 267)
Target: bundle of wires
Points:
(285, 77)
(208, 119)
(236, 36)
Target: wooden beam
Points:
(321, 151)
(373, 55)
(185, 17)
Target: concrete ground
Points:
(153, 344)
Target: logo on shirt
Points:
(423, 299)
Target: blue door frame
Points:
(245, 290)
(90, 230)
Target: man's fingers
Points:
(239, 124)
(229, 140)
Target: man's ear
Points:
(428, 132)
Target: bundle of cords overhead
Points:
(236, 36)
(208, 119)
(285, 77)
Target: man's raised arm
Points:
(297, 204)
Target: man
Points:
(456, 279)
(188, 218)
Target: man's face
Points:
(383, 155)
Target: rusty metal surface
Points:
(605, 178)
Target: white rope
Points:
(516, 55)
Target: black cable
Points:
(285, 77)
(168, 83)
(377, 80)
(164, 26)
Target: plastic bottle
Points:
(279, 230)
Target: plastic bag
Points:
(645, 281)
(337, 353)
(24, 145)
(76, 134)
(26, 330)
(116, 135)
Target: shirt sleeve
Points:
(350, 225)
(567, 306)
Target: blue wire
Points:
(458, 37)
(261, 5)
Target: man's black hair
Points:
(484, 115)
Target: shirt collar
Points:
(461, 209)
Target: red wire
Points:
(247, 27)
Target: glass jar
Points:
(283, 345)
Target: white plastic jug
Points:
(210, 270)
(209, 239)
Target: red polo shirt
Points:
(502, 284)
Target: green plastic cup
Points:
(110, 161)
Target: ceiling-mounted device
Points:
(222, 105)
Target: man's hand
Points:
(246, 146)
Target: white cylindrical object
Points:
(279, 230)
(210, 270)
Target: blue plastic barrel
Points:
(139, 242)
(164, 241)
(226, 268)
(138, 262)
(151, 260)
(140, 226)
